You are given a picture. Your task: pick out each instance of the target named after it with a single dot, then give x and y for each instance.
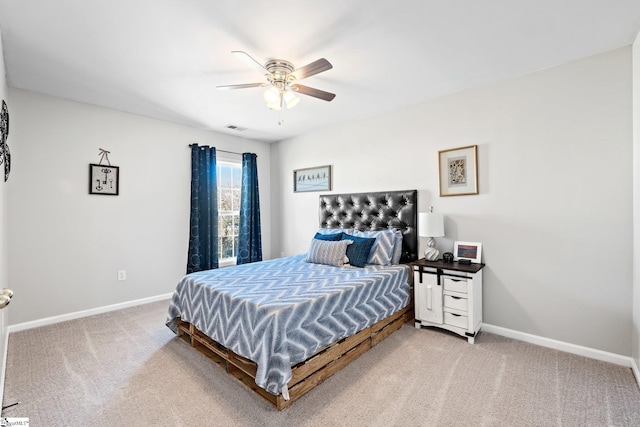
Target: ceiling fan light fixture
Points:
(290, 99)
(272, 95)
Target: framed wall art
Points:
(5, 154)
(312, 179)
(458, 168)
(104, 179)
(471, 251)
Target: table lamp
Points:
(431, 224)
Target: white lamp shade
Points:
(430, 224)
(272, 97)
(290, 99)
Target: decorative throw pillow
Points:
(335, 236)
(382, 250)
(335, 230)
(358, 252)
(397, 249)
(328, 252)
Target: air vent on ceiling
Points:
(236, 128)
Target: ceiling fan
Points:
(281, 78)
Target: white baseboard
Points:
(636, 372)
(5, 348)
(78, 314)
(562, 346)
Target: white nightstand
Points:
(448, 296)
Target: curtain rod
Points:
(222, 151)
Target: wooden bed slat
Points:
(307, 374)
(317, 361)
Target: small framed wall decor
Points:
(312, 179)
(471, 251)
(5, 154)
(458, 169)
(104, 179)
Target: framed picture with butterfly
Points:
(5, 154)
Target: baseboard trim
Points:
(5, 337)
(591, 353)
(636, 372)
(78, 314)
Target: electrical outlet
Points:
(282, 254)
(122, 275)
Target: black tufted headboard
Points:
(375, 211)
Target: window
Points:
(229, 180)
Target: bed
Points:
(283, 326)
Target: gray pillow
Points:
(328, 252)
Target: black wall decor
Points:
(5, 154)
(104, 178)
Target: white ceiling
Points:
(163, 58)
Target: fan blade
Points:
(249, 60)
(243, 86)
(311, 69)
(316, 93)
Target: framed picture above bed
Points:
(458, 168)
(312, 179)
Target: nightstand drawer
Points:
(454, 284)
(456, 320)
(458, 303)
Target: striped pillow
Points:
(383, 248)
(397, 250)
(328, 252)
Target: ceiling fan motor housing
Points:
(279, 71)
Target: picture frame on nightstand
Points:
(471, 251)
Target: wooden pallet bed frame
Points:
(307, 374)
(362, 211)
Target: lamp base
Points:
(431, 254)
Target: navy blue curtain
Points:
(249, 235)
(203, 235)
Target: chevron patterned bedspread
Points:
(280, 312)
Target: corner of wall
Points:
(635, 339)
(4, 253)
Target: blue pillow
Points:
(358, 251)
(332, 237)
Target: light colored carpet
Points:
(126, 368)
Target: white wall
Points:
(3, 185)
(66, 246)
(636, 202)
(554, 211)
(4, 241)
